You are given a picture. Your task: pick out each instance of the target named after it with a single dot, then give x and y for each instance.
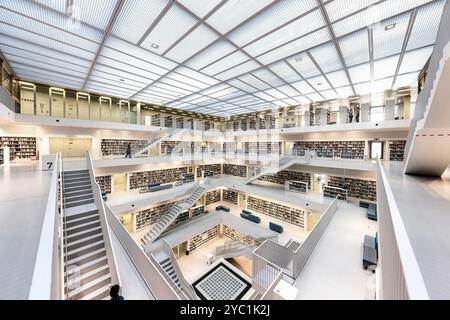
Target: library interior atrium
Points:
(224, 150)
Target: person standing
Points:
(128, 153)
(350, 117)
(114, 293)
(357, 114)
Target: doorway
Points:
(376, 149)
(70, 147)
(120, 182)
(127, 221)
(180, 250)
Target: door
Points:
(319, 181)
(376, 149)
(120, 182)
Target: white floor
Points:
(23, 199)
(334, 270)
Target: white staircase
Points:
(141, 152)
(87, 268)
(285, 162)
(292, 245)
(158, 228)
(234, 249)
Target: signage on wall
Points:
(48, 162)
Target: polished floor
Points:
(23, 199)
(334, 270)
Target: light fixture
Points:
(154, 45)
(298, 59)
(389, 26)
(123, 80)
(319, 83)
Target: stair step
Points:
(86, 238)
(83, 234)
(82, 260)
(83, 227)
(69, 199)
(75, 176)
(75, 171)
(89, 276)
(82, 217)
(85, 250)
(86, 242)
(67, 185)
(78, 203)
(77, 188)
(92, 265)
(100, 294)
(68, 181)
(84, 291)
(75, 193)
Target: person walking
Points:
(128, 153)
(350, 117)
(114, 293)
(357, 114)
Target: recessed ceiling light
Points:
(154, 45)
(389, 26)
(123, 80)
(298, 59)
(319, 83)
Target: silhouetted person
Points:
(128, 154)
(350, 117)
(357, 114)
(114, 293)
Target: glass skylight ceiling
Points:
(220, 57)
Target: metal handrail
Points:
(64, 231)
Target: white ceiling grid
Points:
(220, 57)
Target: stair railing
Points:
(115, 279)
(186, 287)
(63, 240)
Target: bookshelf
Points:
(209, 168)
(203, 238)
(297, 186)
(143, 178)
(1, 156)
(279, 211)
(230, 196)
(152, 215)
(332, 149)
(156, 120)
(168, 121)
(235, 170)
(180, 123)
(286, 175)
(182, 218)
(236, 235)
(20, 147)
(104, 182)
(357, 188)
(211, 197)
(196, 211)
(188, 177)
(115, 147)
(397, 150)
(333, 192)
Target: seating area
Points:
(223, 208)
(249, 216)
(275, 227)
(370, 252)
(372, 212)
(158, 186)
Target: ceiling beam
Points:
(112, 20)
(155, 22)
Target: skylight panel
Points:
(344, 92)
(355, 47)
(276, 15)
(226, 63)
(285, 72)
(387, 41)
(135, 17)
(175, 23)
(338, 78)
(268, 77)
(385, 67)
(415, 60)
(360, 73)
(235, 11)
(304, 65)
(303, 87)
(327, 57)
(405, 80)
(319, 83)
(192, 43)
(200, 7)
(216, 51)
(238, 70)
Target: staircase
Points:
(159, 227)
(87, 268)
(167, 266)
(285, 162)
(142, 152)
(292, 245)
(234, 249)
